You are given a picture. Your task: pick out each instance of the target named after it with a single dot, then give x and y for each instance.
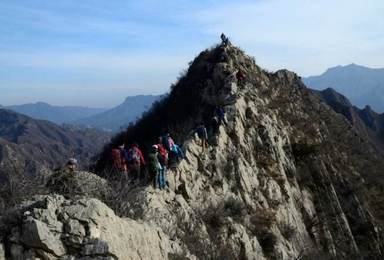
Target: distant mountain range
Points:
(55, 114)
(107, 119)
(362, 85)
(30, 146)
(119, 117)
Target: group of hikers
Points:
(163, 155)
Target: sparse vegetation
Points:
(287, 230)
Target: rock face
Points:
(285, 178)
(52, 227)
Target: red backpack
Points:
(163, 153)
(118, 160)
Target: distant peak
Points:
(349, 66)
(42, 103)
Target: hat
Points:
(155, 146)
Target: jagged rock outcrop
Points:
(286, 177)
(51, 227)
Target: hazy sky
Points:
(97, 52)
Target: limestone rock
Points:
(83, 229)
(2, 252)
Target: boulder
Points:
(52, 227)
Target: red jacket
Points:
(118, 160)
(137, 150)
(164, 154)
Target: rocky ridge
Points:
(366, 121)
(286, 178)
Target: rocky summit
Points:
(286, 177)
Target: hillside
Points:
(366, 121)
(286, 178)
(55, 114)
(362, 85)
(119, 117)
(31, 148)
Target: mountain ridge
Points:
(362, 85)
(116, 118)
(366, 121)
(55, 114)
(283, 158)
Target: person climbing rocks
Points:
(215, 126)
(163, 160)
(154, 166)
(202, 133)
(224, 39)
(220, 114)
(119, 161)
(135, 161)
(167, 142)
(240, 76)
(175, 156)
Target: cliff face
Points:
(286, 178)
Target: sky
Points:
(96, 52)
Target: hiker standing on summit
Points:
(224, 39)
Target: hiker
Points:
(135, 161)
(177, 149)
(72, 164)
(167, 142)
(119, 161)
(224, 39)
(175, 156)
(163, 160)
(203, 136)
(220, 114)
(154, 166)
(215, 126)
(240, 76)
